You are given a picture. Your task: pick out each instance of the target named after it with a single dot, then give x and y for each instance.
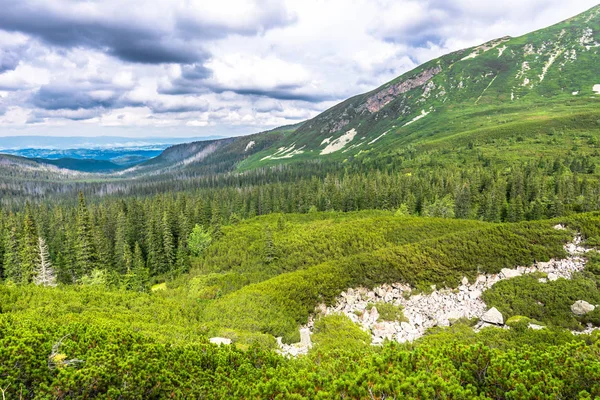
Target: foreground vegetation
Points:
(95, 339)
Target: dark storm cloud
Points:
(62, 98)
(127, 42)
(132, 40)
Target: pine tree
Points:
(169, 250)
(270, 252)
(123, 255)
(462, 205)
(44, 273)
(12, 269)
(182, 262)
(86, 255)
(141, 275)
(28, 248)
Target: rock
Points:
(542, 280)
(305, 337)
(465, 281)
(475, 294)
(535, 327)
(418, 320)
(374, 315)
(493, 316)
(219, 340)
(552, 277)
(510, 273)
(454, 316)
(559, 227)
(581, 307)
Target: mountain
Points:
(505, 100)
(548, 79)
(82, 165)
(509, 94)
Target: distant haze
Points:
(82, 142)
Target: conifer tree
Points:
(44, 272)
(169, 250)
(141, 274)
(123, 255)
(86, 254)
(12, 269)
(182, 262)
(28, 248)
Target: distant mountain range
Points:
(85, 142)
(88, 154)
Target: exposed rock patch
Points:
(340, 142)
(581, 307)
(385, 96)
(493, 316)
(250, 145)
(441, 307)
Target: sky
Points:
(193, 68)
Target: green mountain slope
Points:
(540, 81)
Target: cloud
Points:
(62, 98)
(160, 32)
(227, 67)
(40, 116)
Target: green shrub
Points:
(548, 302)
(338, 332)
(389, 312)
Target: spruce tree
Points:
(123, 255)
(86, 255)
(12, 269)
(182, 262)
(28, 248)
(141, 274)
(169, 250)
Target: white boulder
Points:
(510, 273)
(493, 316)
(581, 307)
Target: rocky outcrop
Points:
(581, 307)
(385, 96)
(440, 307)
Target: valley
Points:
(434, 238)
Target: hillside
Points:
(508, 88)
